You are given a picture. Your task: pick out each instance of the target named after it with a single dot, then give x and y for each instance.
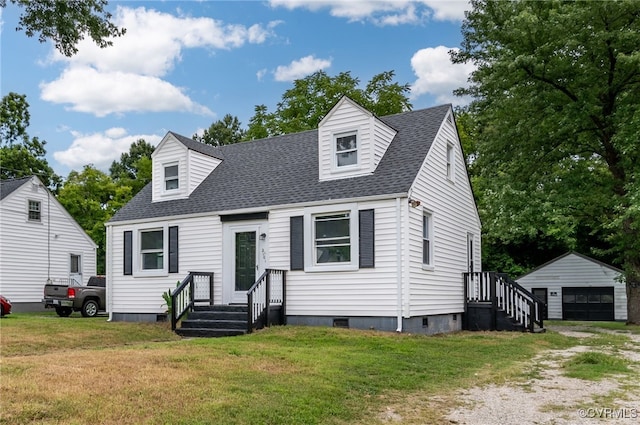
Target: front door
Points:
(245, 246)
(75, 270)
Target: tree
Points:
(92, 197)
(222, 132)
(20, 155)
(259, 124)
(305, 104)
(556, 94)
(67, 22)
(134, 167)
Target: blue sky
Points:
(184, 64)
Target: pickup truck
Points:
(89, 299)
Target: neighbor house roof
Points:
(566, 254)
(283, 170)
(10, 185)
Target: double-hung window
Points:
(346, 150)
(450, 161)
(171, 181)
(427, 240)
(34, 211)
(332, 238)
(152, 249)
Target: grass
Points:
(597, 326)
(595, 366)
(77, 371)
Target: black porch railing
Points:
(269, 289)
(504, 294)
(197, 287)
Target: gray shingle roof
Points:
(283, 170)
(10, 185)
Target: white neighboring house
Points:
(577, 287)
(373, 220)
(39, 240)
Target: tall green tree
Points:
(92, 197)
(134, 167)
(556, 94)
(20, 154)
(303, 106)
(226, 131)
(66, 22)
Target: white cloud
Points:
(387, 12)
(437, 76)
(261, 73)
(139, 60)
(300, 68)
(104, 93)
(100, 149)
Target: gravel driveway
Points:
(551, 398)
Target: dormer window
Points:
(346, 150)
(171, 177)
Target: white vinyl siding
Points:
(362, 292)
(200, 166)
(200, 250)
(171, 153)
(373, 138)
(29, 253)
(575, 271)
(439, 290)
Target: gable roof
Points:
(566, 254)
(10, 185)
(283, 170)
(202, 148)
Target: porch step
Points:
(215, 321)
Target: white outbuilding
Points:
(577, 287)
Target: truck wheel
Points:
(64, 311)
(90, 308)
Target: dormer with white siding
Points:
(180, 165)
(351, 141)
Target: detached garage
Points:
(577, 287)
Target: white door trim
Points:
(229, 230)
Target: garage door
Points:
(587, 303)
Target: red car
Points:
(5, 306)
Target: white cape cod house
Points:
(370, 221)
(39, 241)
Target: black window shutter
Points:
(367, 251)
(296, 225)
(173, 249)
(128, 253)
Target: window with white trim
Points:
(152, 249)
(34, 211)
(346, 150)
(171, 180)
(427, 239)
(450, 161)
(331, 238)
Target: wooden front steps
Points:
(215, 321)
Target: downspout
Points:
(399, 261)
(108, 271)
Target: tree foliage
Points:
(67, 22)
(21, 155)
(134, 167)
(556, 107)
(92, 197)
(305, 104)
(226, 131)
